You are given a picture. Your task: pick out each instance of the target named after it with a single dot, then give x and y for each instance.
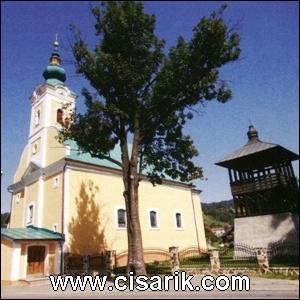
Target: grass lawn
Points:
(277, 276)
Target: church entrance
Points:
(35, 260)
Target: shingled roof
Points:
(255, 150)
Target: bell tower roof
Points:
(256, 153)
(54, 72)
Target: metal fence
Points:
(80, 263)
(283, 249)
(244, 252)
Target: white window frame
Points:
(175, 219)
(117, 219)
(28, 221)
(157, 218)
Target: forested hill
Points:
(218, 213)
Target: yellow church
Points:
(65, 201)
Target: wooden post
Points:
(230, 176)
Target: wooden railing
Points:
(258, 184)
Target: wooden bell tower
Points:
(262, 183)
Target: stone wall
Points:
(241, 271)
(262, 231)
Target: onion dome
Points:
(54, 73)
(252, 134)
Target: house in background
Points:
(64, 201)
(218, 231)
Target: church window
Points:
(55, 182)
(34, 148)
(30, 214)
(59, 116)
(178, 220)
(37, 117)
(121, 218)
(153, 219)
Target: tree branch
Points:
(112, 160)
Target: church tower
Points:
(43, 151)
(47, 113)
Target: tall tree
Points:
(144, 97)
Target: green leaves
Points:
(138, 84)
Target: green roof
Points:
(76, 154)
(30, 233)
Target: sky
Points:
(264, 81)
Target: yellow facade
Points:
(52, 211)
(55, 150)
(6, 257)
(17, 219)
(22, 165)
(95, 199)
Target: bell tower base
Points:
(265, 231)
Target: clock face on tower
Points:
(61, 92)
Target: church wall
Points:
(22, 165)
(18, 210)
(199, 220)
(95, 198)
(6, 257)
(31, 196)
(53, 202)
(91, 219)
(167, 200)
(55, 150)
(54, 107)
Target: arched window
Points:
(178, 220)
(153, 219)
(30, 214)
(121, 218)
(59, 116)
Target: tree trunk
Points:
(135, 262)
